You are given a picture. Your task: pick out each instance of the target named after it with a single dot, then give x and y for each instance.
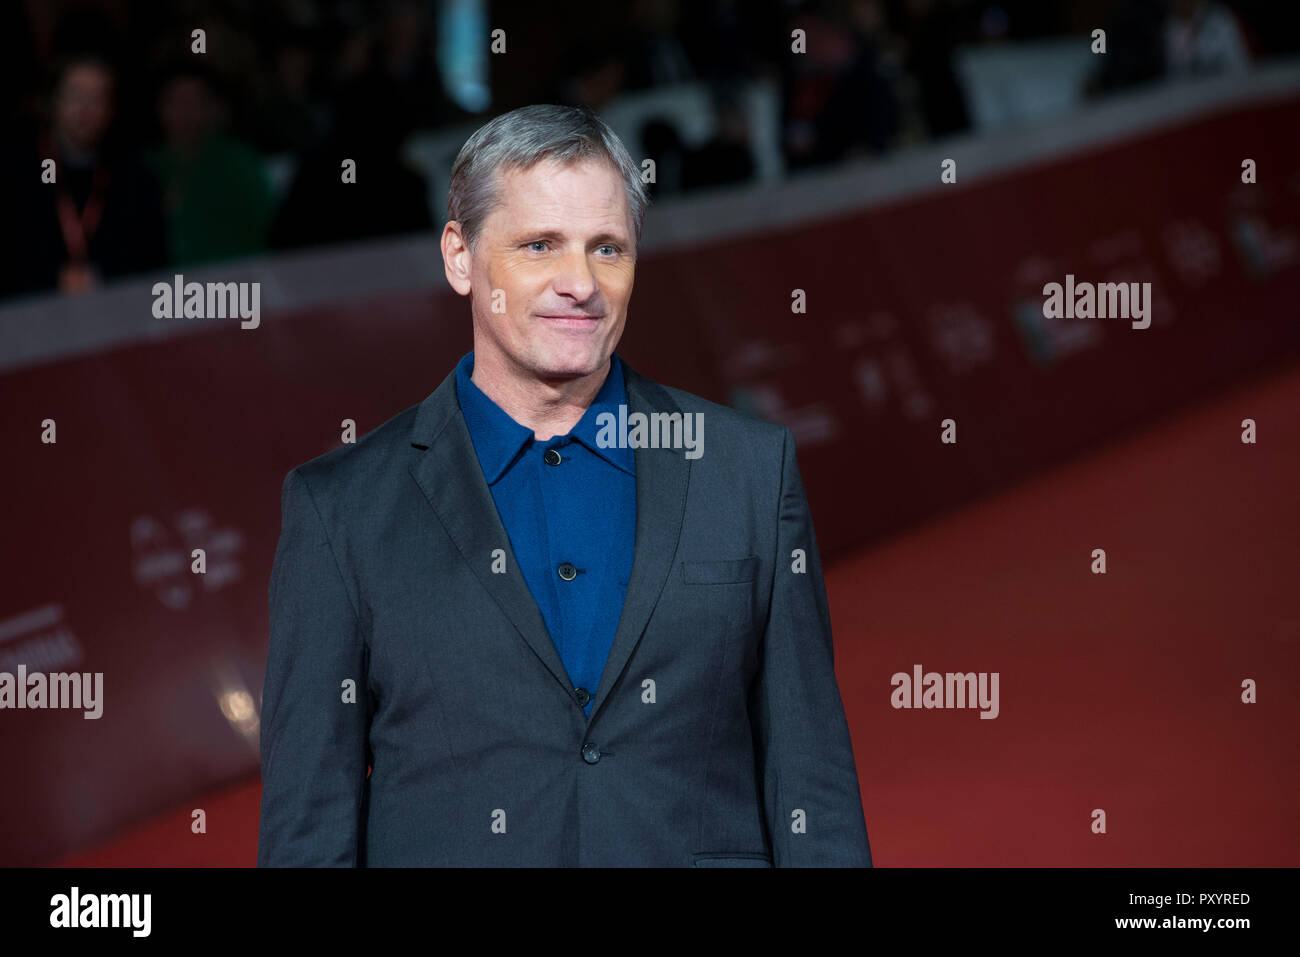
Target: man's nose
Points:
(574, 277)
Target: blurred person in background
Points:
(862, 115)
(653, 53)
(1202, 38)
(931, 30)
(102, 215)
(840, 97)
(597, 78)
(726, 157)
(662, 144)
(217, 195)
(388, 196)
(405, 57)
(1135, 51)
(733, 41)
(289, 118)
(19, 69)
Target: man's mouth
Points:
(579, 322)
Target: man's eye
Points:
(612, 249)
(537, 242)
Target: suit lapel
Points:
(661, 479)
(447, 471)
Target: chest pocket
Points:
(733, 572)
(722, 592)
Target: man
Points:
(552, 644)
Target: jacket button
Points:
(552, 457)
(590, 753)
(583, 696)
(567, 571)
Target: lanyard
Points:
(78, 228)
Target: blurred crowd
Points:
(162, 156)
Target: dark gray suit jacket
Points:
(717, 736)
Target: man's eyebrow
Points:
(603, 237)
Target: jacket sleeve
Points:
(810, 783)
(313, 732)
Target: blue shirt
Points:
(572, 525)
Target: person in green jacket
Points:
(217, 193)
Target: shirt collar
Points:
(499, 439)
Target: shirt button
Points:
(583, 696)
(590, 753)
(552, 457)
(567, 571)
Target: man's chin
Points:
(570, 367)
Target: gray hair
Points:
(523, 137)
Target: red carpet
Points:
(1119, 691)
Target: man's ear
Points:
(456, 258)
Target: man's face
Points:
(83, 108)
(186, 110)
(556, 257)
